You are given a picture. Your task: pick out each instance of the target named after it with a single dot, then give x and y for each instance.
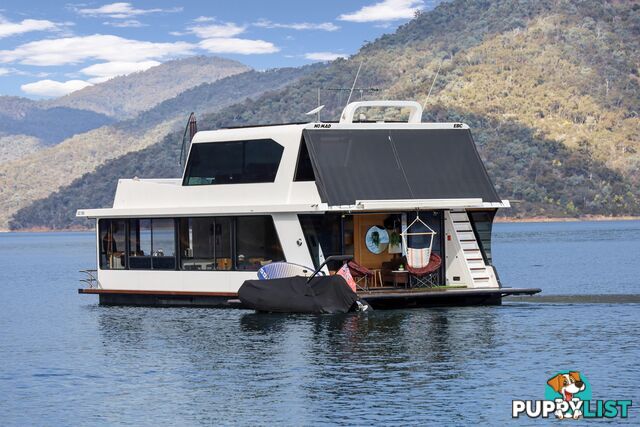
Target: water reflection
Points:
(141, 366)
(300, 361)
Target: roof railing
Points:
(415, 114)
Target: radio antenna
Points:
(354, 82)
(432, 84)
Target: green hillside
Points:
(551, 90)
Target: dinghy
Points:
(299, 294)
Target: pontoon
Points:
(411, 202)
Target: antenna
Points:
(315, 111)
(362, 90)
(354, 82)
(432, 83)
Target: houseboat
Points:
(299, 193)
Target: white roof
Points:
(168, 197)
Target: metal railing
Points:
(91, 279)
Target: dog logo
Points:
(567, 386)
(568, 396)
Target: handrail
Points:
(415, 116)
(91, 279)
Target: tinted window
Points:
(214, 243)
(257, 243)
(304, 169)
(152, 244)
(206, 243)
(140, 244)
(482, 222)
(163, 244)
(323, 234)
(234, 162)
(112, 235)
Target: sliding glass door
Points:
(206, 243)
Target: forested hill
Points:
(50, 125)
(551, 90)
(58, 166)
(209, 97)
(124, 97)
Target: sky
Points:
(50, 48)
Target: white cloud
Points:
(53, 88)
(218, 37)
(239, 46)
(15, 72)
(129, 23)
(8, 28)
(72, 50)
(122, 10)
(227, 29)
(323, 26)
(106, 70)
(324, 56)
(386, 10)
(204, 19)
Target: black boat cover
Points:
(325, 294)
(392, 164)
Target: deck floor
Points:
(439, 297)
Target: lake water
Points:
(64, 360)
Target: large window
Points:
(206, 243)
(257, 243)
(112, 235)
(233, 162)
(152, 244)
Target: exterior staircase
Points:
(481, 274)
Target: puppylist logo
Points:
(568, 395)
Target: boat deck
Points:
(383, 298)
(438, 297)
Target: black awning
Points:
(390, 164)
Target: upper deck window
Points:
(304, 169)
(233, 162)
